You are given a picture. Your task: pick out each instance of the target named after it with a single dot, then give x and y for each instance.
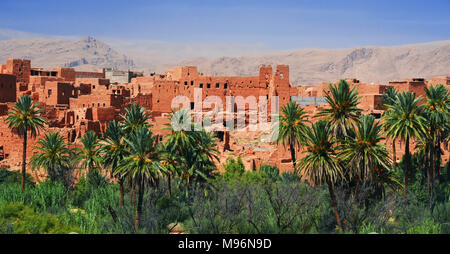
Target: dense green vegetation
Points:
(345, 181)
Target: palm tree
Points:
(134, 117)
(113, 151)
(90, 153)
(389, 98)
(195, 149)
(142, 164)
(405, 121)
(437, 112)
(25, 120)
(171, 162)
(365, 153)
(200, 162)
(321, 165)
(290, 130)
(54, 155)
(342, 113)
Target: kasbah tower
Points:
(76, 102)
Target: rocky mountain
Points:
(311, 66)
(88, 54)
(307, 66)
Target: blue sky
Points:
(278, 24)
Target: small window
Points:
(208, 85)
(201, 85)
(192, 83)
(185, 83)
(104, 105)
(225, 86)
(93, 86)
(217, 85)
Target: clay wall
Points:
(7, 88)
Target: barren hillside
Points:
(369, 64)
(85, 54)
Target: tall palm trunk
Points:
(333, 203)
(139, 205)
(122, 190)
(24, 159)
(294, 163)
(394, 159)
(429, 176)
(169, 184)
(437, 166)
(133, 195)
(407, 159)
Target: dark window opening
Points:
(208, 86)
(192, 105)
(376, 115)
(201, 85)
(220, 135)
(185, 83)
(192, 83)
(217, 85)
(225, 86)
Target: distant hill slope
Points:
(369, 64)
(86, 54)
(307, 66)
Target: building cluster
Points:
(75, 102)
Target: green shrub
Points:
(12, 177)
(271, 172)
(85, 187)
(234, 167)
(16, 218)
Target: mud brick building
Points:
(76, 102)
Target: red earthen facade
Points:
(76, 102)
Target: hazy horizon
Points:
(272, 25)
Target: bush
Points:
(271, 172)
(16, 218)
(12, 177)
(234, 167)
(85, 186)
(44, 197)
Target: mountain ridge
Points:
(86, 54)
(370, 64)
